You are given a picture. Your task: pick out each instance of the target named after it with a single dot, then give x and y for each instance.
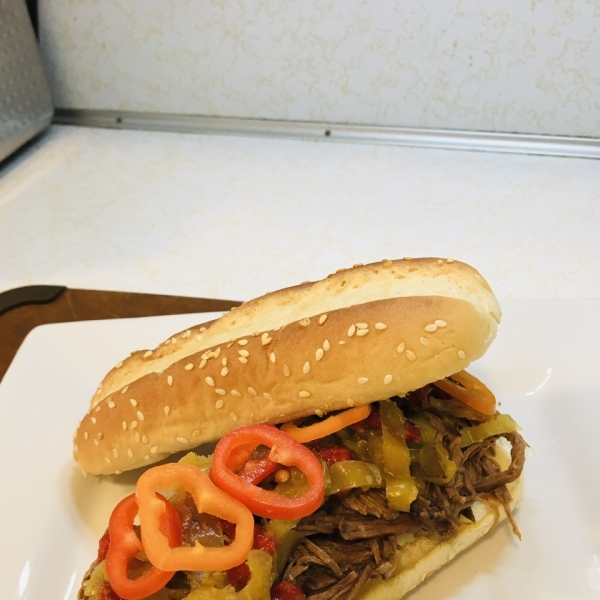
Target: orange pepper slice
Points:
(208, 499)
(469, 390)
(327, 426)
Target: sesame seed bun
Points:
(358, 336)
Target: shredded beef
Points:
(353, 538)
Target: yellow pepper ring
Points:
(208, 499)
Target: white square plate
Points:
(543, 368)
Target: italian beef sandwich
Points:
(354, 453)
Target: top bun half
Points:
(360, 335)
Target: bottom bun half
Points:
(421, 557)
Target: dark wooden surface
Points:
(89, 305)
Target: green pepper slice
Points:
(349, 474)
(497, 425)
(400, 488)
(435, 465)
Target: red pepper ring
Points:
(208, 499)
(284, 450)
(125, 544)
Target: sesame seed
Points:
(107, 459)
(154, 450)
(362, 380)
(319, 413)
(124, 425)
(115, 453)
(224, 361)
(210, 381)
(242, 342)
(219, 404)
(380, 326)
(182, 440)
(144, 439)
(265, 341)
(319, 353)
(431, 327)
(304, 394)
(267, 396)
(147, 353)
(387, 379)
(351, 330)
(199, 337)
(400, 348)
(206, 355)
(202, 329)
(362, 332)
(187, 333)
(100, 436)
(218, 352)
(76, 448)
(361, 326)
(133, 402)
(133, 425)
(94, 420)
(243, 360)
(147, 457)
(440, 323)
(461, 354)
(322, 319)
(449, 260)
(224, 371)
(244, 353)
(229, 344)
(233, 416)
(410, 355)
(189, 367)
(140, 415)
(264, 335)
(236, 394)
(170, 380)
(424, 341)
(440, 262)
(96, 442)
(286, 371)
(167, 342)
(220, 391)
(304, 322)
(195, 433)
(167, 410)
(97, 409)
(119, 365)
(350, 402)
(85, 435)
(173, 340)
(124, 390)
(202, 363)
(306, 368)
(252, 391)
(130, 452)
(137, 437)
(272, 357)
(326, 346)
(341, 342)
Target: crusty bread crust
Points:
(360, 335)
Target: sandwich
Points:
(354, 455)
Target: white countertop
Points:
(232, 217)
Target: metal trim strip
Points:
(549, 145)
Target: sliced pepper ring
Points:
(327, 426)
(469, 390)
(125, 544)
(208, 499)
(284, 450)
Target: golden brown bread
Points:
(360, 335)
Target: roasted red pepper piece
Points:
(263, 541)
(286, 590)
(103, 546)
(334, 454)
(239, 576)
(255, 471)
(413, 433)
(125, 544)
(373, 421)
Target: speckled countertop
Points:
(232, 217)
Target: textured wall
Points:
(502, 65)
